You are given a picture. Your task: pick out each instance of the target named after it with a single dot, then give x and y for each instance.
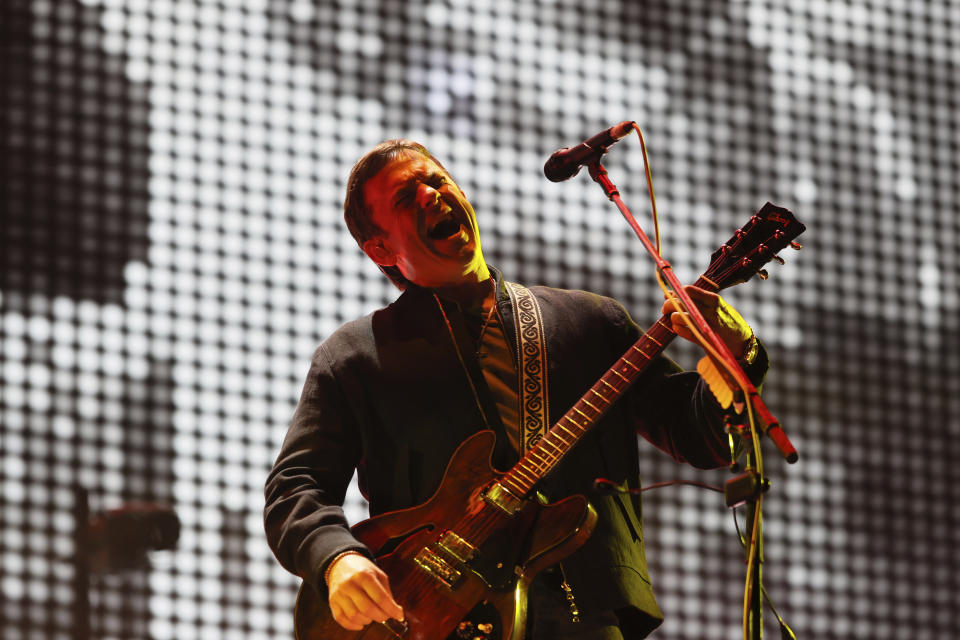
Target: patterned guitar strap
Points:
(531, 365)
(532, 378)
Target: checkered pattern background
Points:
(172, 250)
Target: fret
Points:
(557, 452)
(604, 381)
(589, 404)
(533, 453)
(650, 337)
(639, 350)
(620, 375)
(599, 395)
(577, 407)
(524, 488)
(528, 476)
(544, 468)
(665, 325)
(572, 434)
(549, 465)
(571, 421)
(707, 280)
(535, 465)
(635, 367)
(506, 480)
(556, 435)
(542, 471)
(584, 415)
(520, 470)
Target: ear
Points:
(377, 251)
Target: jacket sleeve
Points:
(303, 514)
(674, 409)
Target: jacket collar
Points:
(415, 291)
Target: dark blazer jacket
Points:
(388, 396)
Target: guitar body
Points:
(483, 591)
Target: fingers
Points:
(354, 608)
(394, 609)
(709, 298)
(678, 321)
(362, 596)
(377, 591)
(705, 300)
(345, 614)
(722, 318)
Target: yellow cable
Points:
(753, 542)
(667, 290)
(653, 200)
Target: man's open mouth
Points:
(444, 229)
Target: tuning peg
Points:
(763, 274)
(777, 258)
(796, 246)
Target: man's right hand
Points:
(359, 593)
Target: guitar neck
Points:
(540, 459)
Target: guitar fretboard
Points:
(741, 257)
(587, 411)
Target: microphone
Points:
(565, 163)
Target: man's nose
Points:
(427, 196)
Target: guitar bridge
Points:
(441, 568)
(441, 558)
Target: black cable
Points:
(786, 633)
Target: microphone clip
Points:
(745, 487)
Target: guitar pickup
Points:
(456, 547)
(498, 496)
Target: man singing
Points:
(394, 393)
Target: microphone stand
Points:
(746, 488)
(751, 483)
(755, 536)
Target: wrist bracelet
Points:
(326, 573)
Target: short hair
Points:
(356, 212)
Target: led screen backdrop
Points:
(172, 252)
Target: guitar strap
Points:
(531, 365)
(532, 374)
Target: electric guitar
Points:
(461, 563)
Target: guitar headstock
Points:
(753, 246)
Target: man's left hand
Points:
(722, 318)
